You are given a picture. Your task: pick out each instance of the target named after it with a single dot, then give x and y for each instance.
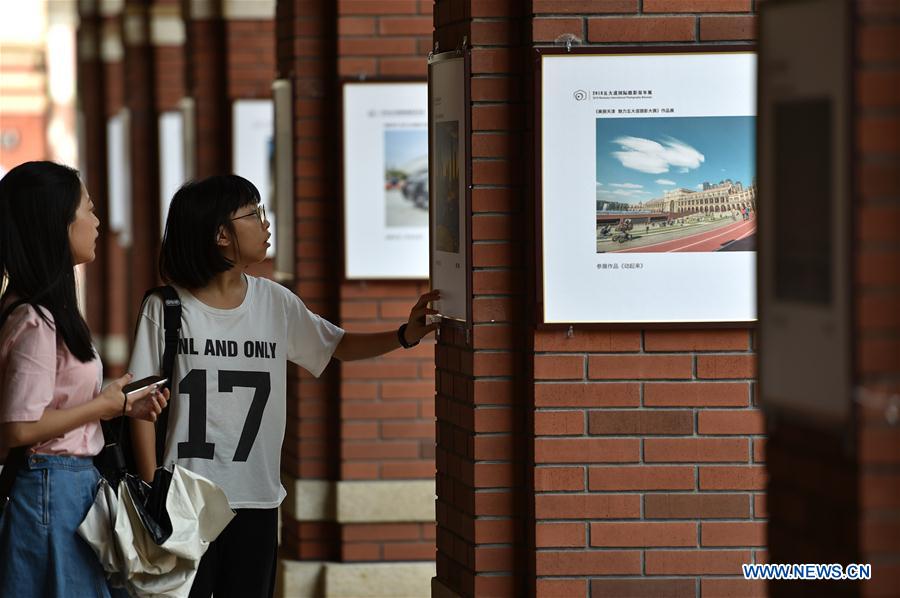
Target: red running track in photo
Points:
(706, 241)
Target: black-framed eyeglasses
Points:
(259, 212)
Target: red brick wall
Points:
(878, 288)
(649, 448)
(311, 447)
(169, 72)
(117, 315)
(640, 469)
(384, 39)
(387, 404)
(251, 58)
(207, 83)
(91, 98)
(140, 97)
(648, 458)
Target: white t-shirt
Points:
(228, 399)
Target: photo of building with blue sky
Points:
(639, 159)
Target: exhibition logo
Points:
(580, 95)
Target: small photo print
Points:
(406, 177)
(676, 184)
(446, 182)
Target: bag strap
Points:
(172, 331)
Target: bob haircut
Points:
(38, 201)
(189, 256)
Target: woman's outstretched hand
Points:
(416, 327)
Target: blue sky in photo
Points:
(640, 158)
(402, 146)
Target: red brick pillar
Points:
(140, 99)
(306, 55)
(206, 82)
(358, 457)
(482, 443)
(91, 114)
(387, 404)
(167, 34)
(113, 345)
(877, 291)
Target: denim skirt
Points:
(43, 555)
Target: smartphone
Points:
(143, 383)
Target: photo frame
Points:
(253, 153)
(385, 179)
(646, 186)
(171, 161)
(118, 156)
(806, 176)
(450, 189)
(283, 179)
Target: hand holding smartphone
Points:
(143, 383)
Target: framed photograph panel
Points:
(806, 166)
(385, 180)
(171, 161)
(118, 131)
(647, 186)
(283, 179)
(253, 153)
(449, 132)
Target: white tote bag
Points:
(198, 510)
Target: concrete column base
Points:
(298, 579)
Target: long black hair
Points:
(38, 201)
(190, 256)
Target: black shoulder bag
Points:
(117, 456)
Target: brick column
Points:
(387, 404)
(311, 450)
(167, 29)
(878, 290)
(117, 330)
(482, 442)
(206, 82)
(140, 98)
(92, 113)
(358, 457)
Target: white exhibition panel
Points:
(449, 269)
(385, 129)
(171, 161)
(253, 154)
(119, 179)
(581, 285)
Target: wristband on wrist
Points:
(401, 336)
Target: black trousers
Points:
(241, 562)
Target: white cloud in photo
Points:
(654, 157)
(599, 184)
(626, 186)
(700, 186)
(665, 182)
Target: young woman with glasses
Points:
(237, 334)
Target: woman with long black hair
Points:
(50, 374)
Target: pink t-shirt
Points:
(37, 372)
